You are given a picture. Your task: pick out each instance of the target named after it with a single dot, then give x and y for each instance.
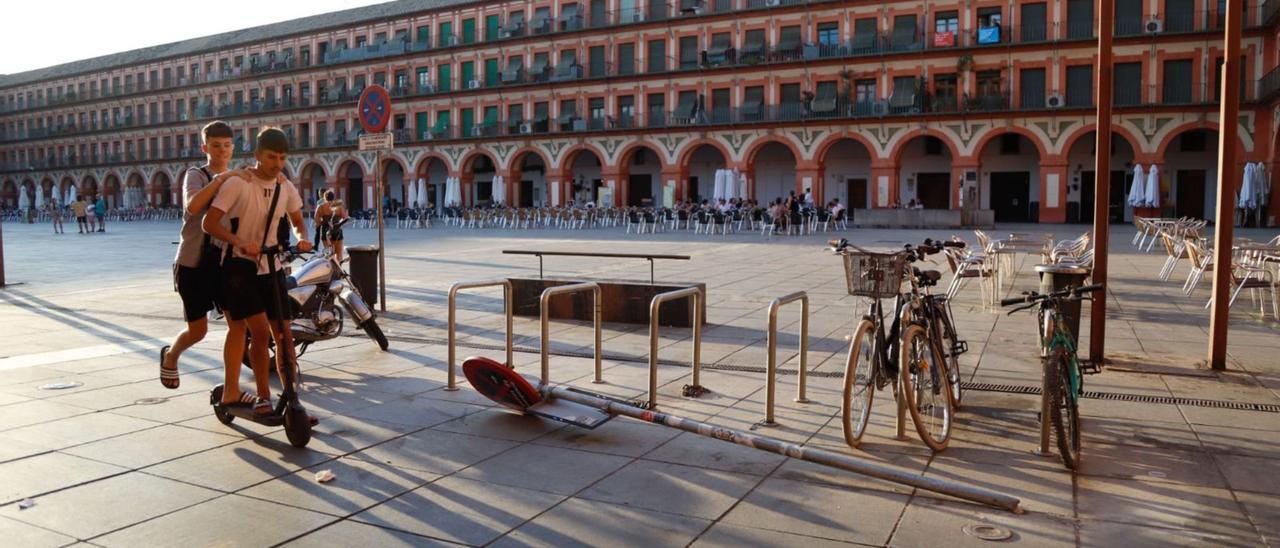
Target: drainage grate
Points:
(974, 386)
(1140, 398)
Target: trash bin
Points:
(1055, 277)
(364, 271)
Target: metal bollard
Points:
(543, 303)
(773, 351)
(453, 322)
(655, 305)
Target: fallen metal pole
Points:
(809, 454)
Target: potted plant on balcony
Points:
(964, 63)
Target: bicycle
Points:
(1063, 382)
(874, 355)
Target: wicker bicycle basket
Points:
(876, 275)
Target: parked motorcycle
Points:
(321, 296)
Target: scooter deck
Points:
(274, 419)
(569, 412)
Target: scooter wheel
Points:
(297, 427)
(215, 398)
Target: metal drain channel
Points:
(1120, 396)
(974, 386)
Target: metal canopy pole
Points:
(1102, 181)
(1228, 173)
(382, 249)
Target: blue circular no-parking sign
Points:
(374, 109)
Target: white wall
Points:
(1207, 160)
(847, 159)
(914, 161)
(775, 173)
(703, 164)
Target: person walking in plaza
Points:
(55, 212)
(78, 208)
(100, 207)
(91, 215)
(328, 214)
(253, 204)
(196, 269)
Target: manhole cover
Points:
(150, 401)
(986, 531)
(61, 385)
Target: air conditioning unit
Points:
(1154, 26)
(526, 128)
(1055, 100)
(637, 17)
(475, 131)
(772, 2)
(473, 84)
(880, 108)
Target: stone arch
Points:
(395, 174)
(698, 164)
(473, 182)
(1116, 129)
(312, 179)
(1188, 127)
(687, 149)
(63, 186)
(820, 151)
(47, 188)
(1041, 147)
(638, 187)
(9, 193)
(87, 184)
(162, 185)
(516, 157)
(570, 155)
(625, 155)
(358, 159)
(899, 144)
(349, 176)
(1011, 179)
(753, 149)
(586, 176)
(424, 162)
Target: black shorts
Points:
(80, 219)
(246, 293)
(199, 291)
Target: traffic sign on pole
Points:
(374, 109)
(377, 141)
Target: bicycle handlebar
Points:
(1033, 297)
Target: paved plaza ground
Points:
(118, 460)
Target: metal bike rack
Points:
(773, 350)
(654, 306)
(544, 301)
(453, 323)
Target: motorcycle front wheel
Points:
(374, 332)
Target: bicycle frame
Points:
(1060, 338)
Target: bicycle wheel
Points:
(1064, 415)
(859, 382)
(946, 336)
(923, 386)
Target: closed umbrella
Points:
(423, 199)
(411, 198)
(499, 190)
(1136, 197)
(39, 198)
(70, 195)
(717, 192)
(1153, 187)
(24, 199)
(1247, 198)
(730, 185)
(742, 184)
(1261, 186)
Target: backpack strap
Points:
(275, 198)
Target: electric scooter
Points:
(288, 410)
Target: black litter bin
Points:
(1056, 277)
(364, 271)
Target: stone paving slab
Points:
(421, 466)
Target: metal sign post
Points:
(374, 111)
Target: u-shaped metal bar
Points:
(773, 350)
(694, 293)
(543, 303)
(453, 322)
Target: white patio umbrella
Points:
(1136, 194)
(453, 194)
(742, 184)
(39, 197)
(499, 190)
(423, 199)
(1153, 187)
(411, 194)
(71, 195)
(1247, 199)
(24, 199)
(730, 185)
(717, 191)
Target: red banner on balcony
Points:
(944, 39)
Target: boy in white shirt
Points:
(241, 215)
